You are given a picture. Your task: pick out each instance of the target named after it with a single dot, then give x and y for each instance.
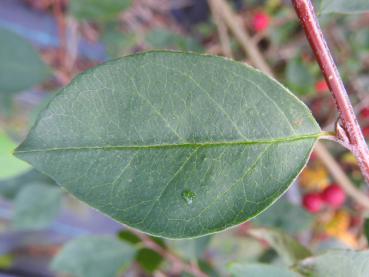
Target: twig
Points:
(305, 12)
(222, 30)
(149, 243)
(333, 167)
(72, 44)
(61, 24)
(235, 26)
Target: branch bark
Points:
(309, 21)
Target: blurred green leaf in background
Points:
(21, 66)
(165, 39)
(336, 263)
(344, 6)
(94, 256)
(10, 166)
(36, 206)
(261, 270)
(97, 9)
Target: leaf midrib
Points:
(183, 145)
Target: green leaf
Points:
(299, 77)
(129, 237)
(337, 263)
(285, 216)
(94, 256)
(132, 238)
(6, 261)
(287, 247)
(117, 43)
(9, 165)
(10, 187)
(21, 66)
(344, 6)
(208, 268)
(205, 267)
(281, 34)
(6, 105)
(36, 206)
(148, 259)
(268, 256)
(190, 249)
(174, 144)
(227, 248)
(166, 39)
(98, 10)
(260, 270)
(40, 107)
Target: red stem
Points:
(309, 22)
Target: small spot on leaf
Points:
(188, 196)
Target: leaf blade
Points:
(36, 206)
(13, 166)
(338, 263)
(260, 270)
(21, 66)
(98, 10)
(93, 256)
(345, 7)
(160, 124)
(289, 249)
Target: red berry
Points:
(365, 112)
(334, 196)
(312, 202)
(366, 132)
(313, 156)
(321, 86)
(260, 21)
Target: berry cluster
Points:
(332, 196)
